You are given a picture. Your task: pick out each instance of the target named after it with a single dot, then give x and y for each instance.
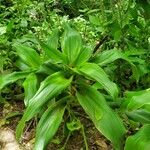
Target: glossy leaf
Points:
(52, 41)
(30, 87)
(110, 56)
(141, 115)
(12, 77)
(139, 141)
(107, 57)
(84, 55)
(47, 126)
(105, 120)
(48, 68)
(97, 73)
(21, 65)
(71, 44)
(49, 88)
(138, 101)
(52, 53)
(28, 55)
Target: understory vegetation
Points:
(67, 65)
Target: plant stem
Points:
(66, 141)
(84, 136)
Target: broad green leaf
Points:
(48, 67)
(105, 120)
(52, 41)
(139, 141)
(52, 53)
(137, 101)
(107, 57)
(130, 94)
(28, 55)
(21, 65)
(12, 77)
(49, 88)
(30, 87)
(95, 20)
(47, 126)
(71, 44)
(141, 115)
(84, 55)
(97, 73)
(110, 56)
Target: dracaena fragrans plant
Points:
(64, 74)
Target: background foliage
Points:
(114, 35)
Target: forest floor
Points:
(10, 115)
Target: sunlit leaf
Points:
(138, 101)
(84, 55)
(30, 87)
(47, 126)
(97, 73)
(52, 41)
(71, 44)
(140, 115)
(28, 55)
(139, 141)
(105, 120)
(52, 53)
(12, 77)
(107, 57)
(48, 68)
(110, 56)
(49, 88)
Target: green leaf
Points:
(139, 141)
(3, 30)
(105, 120)
(141, 115)
(30, 87)
(107, 56)
(71, 44)
(49, 88)
(28, 55)
(47, 126)
(52, 53)
(48, 68)
(52, 41)
(84, 55)
(139, 100)
(95, 20)
(74, 125)
(21, 65)
(110, 56)
(97, 73)
(12, 77)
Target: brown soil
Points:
(76, 141)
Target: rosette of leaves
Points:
(60, 75)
